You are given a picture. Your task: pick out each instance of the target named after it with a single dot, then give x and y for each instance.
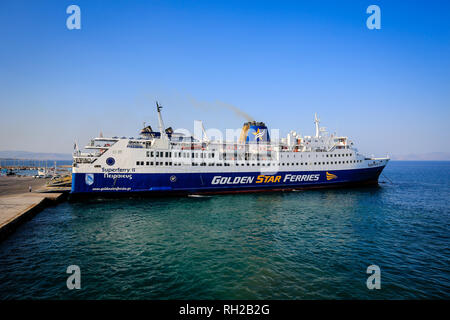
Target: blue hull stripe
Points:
(218, 181)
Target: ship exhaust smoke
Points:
(236, 110)
(220, 105)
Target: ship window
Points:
(137, 163)
(148, 163)
(315, 163)
(151, 163)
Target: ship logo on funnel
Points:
(331, 176)
(259, 135)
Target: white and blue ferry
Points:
(165, 161)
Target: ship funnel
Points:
(254, 132)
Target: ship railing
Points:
(375, 158)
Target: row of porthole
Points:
(169, 163)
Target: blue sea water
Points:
(292, 245)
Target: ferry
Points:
(168, 162)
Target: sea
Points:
(316, 244)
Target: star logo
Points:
(259, 135)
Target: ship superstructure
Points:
(165, 161)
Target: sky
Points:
(278, 61)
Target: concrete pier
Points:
(17, 204)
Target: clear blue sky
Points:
(279, 61)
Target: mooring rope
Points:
(387, 178)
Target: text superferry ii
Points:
(168, 162)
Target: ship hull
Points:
(218, 182)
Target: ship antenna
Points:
(204, 133)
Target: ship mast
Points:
(160, 120)
(316, 121)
